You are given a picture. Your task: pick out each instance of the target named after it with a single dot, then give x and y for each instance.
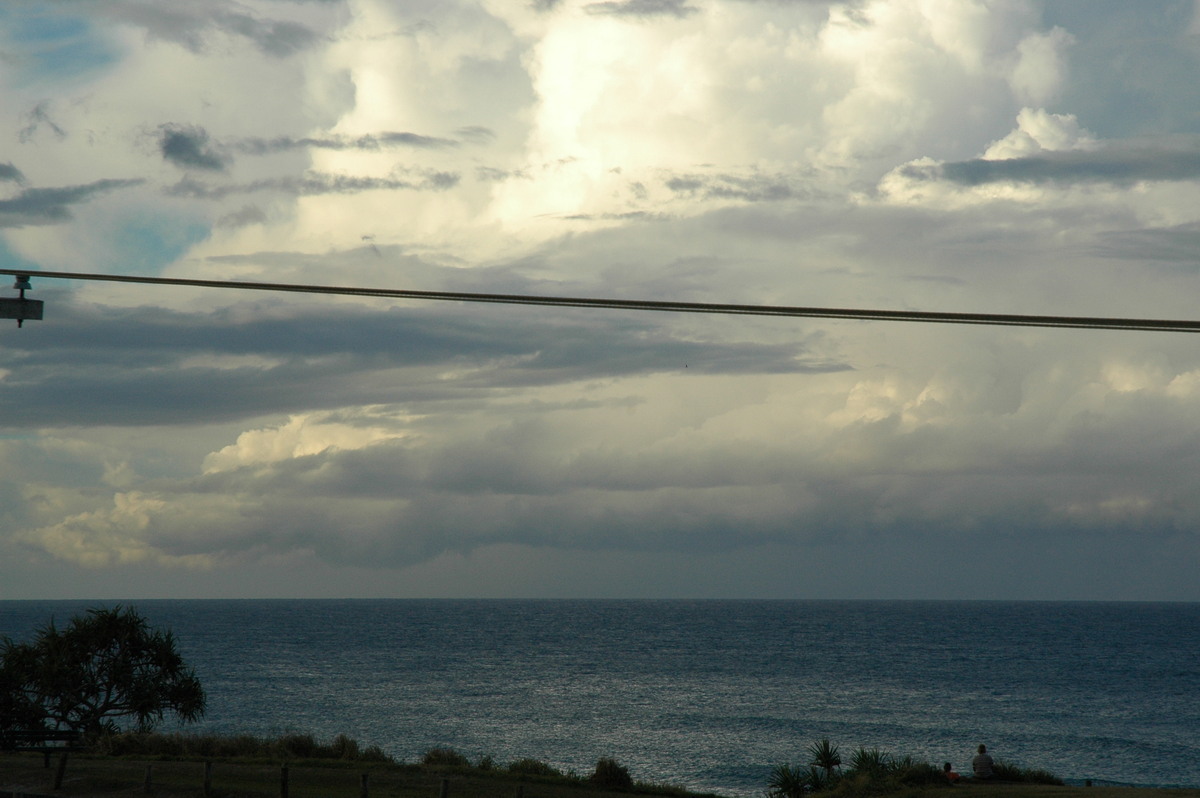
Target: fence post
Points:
(208, 779)
(364, 789)
(283, 782)
(445, 788)
(62, 770)
(148, 784)
(520, 791)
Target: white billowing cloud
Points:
(807, 153)
(808, 96)
(303, 435)
(1039, 130)
(116, 535)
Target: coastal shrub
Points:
(344, 747)
(870, 761)
(820, 779)
(486, 762)
(533, 767)
(611, 775)
(239, 746)
(826, 756)
(373, 753)
(915, 774)
(787, 782)
(445, 758)
(1008, 772)
(297, 746)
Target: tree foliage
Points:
(106, 671)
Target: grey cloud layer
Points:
(1114, 164)
(643, 8)
(193, 24)
(122, 365)
(190, 147)
(40, 206)
(312, 184)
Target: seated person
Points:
(982, 764)
(951, 776)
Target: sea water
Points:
(708, 695)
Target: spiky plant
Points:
(870, 761)
(788, 782)
(825, 756)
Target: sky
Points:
(998, 156)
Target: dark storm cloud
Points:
(1115, 165)
(312, 184)
(188, 147)
(40, 206)
(120, 366)
(11, 174)
(642, 8)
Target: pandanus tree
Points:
(105, 671)
(825, 755)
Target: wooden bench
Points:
(44, 742)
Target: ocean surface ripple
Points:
(704, 694)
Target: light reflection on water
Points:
(708, 695)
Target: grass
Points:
(249, 767)
(174, 766)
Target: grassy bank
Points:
(188, 766)
(109, 777)
(196, 766)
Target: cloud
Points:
(193, 26)
(1120, 165)
(368, 142)
(124, 364)
(750, 188)
(715, 151)
(280, 39)
(248, 214)
(642, 8)
(188, 147)
(43, 206)
(36, 119)
(11, 174)
(313, 184)
(1176, 244)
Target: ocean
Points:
(708, 695)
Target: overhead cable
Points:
(936, 317)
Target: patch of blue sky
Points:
(50, 45)
(145, 245)
(11, 260)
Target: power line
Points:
(936, 317)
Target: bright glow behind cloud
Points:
(905, 154)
